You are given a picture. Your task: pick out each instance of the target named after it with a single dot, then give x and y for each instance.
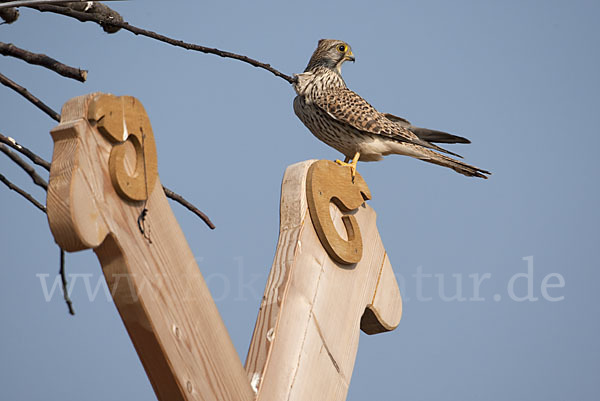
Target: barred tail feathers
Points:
(456, 165)
(430, 156)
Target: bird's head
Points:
(330, 53)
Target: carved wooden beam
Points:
(331, 277)
(103, 176)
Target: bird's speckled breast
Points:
(345, 139)
(326, 129)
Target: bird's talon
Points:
(351, 165)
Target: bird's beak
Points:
(350, 56)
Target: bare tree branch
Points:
(23, 92)
(42, 183)
(63, 279)
(114, 22)
(9, 15)
(82, 16)
(39, 181)
(94, 11)
(21, 192)
(23, 150)
(8, 49)
(181, 200)
(24, 3)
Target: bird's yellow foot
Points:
(351, 165)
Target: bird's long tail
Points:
(431, 156)
(456, 165)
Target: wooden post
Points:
(331, 275)
(102, 177)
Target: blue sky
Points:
(520, 79)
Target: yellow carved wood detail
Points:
(124, 121)
(329, 182)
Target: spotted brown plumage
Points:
(345, 121)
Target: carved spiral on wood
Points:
(328, 182)
(123, 119)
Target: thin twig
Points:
(23, 150)
(63, 278)
(37, 204)
(107, 21)
(21, 192)
(23, 92)
(181, 200)
(25, 166)
(8, 49)
(24, 3)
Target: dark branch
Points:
(63, 279)
(9, 15)
(98, 11)
(114, 22)
(42, 183)
(24, 3)
(181, 200)
(23, 92)
(23, 150)
(8, 49)
(21, 192)
(25, 166)
(38, 160)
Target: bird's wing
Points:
(428, 135)
(349, 108)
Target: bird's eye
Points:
(342, 48)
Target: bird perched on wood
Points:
(345, 121)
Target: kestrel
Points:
(345, 121)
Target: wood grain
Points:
(306, 336)
(158, 289)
